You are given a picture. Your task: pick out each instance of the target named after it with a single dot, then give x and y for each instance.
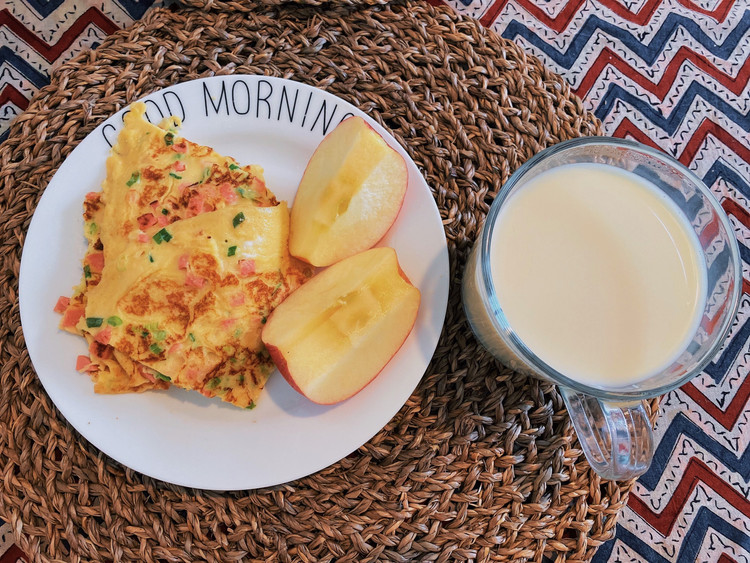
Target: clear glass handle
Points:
(616, 438)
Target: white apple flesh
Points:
(350, 194)
(335, 334)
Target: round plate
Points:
(180, 436)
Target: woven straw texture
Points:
(480, 464)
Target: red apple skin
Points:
(278, 359)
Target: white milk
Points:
(598, 273)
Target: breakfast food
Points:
(350, 194)
(332, 336)
(187, 256)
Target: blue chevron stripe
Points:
(44, 7)
(720, 170)
(682, 425)
(648, 53)
(718, 369)
(37, 78)
(703, 520)
(680, 109)
(134, 8)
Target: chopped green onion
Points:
(169, 138)
(150, 258)
(135, 177)
(177, 176)
(251, 406)
(163, 377)
(247, 194)
(206, 174)
(114, 321)
(162, 236)
(144, 333)
(234, 167)
(159, 335)
(92, 322)
(164, 212)
(231, 250)
(263, 320)
(213, 383)
(275, 289)
(191, 336)
(156, 349)
(93, 227)
(240, 379)
(239, 218)
(87, 271)
(238, 333)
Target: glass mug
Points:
(611, 422)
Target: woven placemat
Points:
(480, 464)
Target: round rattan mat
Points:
(480, 464)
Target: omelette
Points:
(187, 256)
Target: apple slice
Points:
(333, 335)
(349, 195)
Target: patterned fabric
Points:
(671, 74)
(37, 36)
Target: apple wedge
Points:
(349, 196)
(333, 335)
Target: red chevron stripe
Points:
(724, 558)
(660, 89)
(561, 21)
(695, 473)
(727, 418)
(10, 94)
(52, 52)
(627, 128)
(706, 128)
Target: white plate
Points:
(182, 437)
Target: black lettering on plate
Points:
(285, 101)
(241, 99)
(223, 98)
(304, 117)
(264, 98)
(347, 115)
(107, 130)
(170, 110)
(323, 111)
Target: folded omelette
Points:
(187, 256)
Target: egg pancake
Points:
(187, 255)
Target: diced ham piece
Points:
(195, 205)
(145, 372)
(179, 166)
(180, 147)
(247, 267)
(183, 261)
(104, 335)
(62, 304)
(191, 280)
(143, 237)
(146, 220)
(93, 196)
(228, 323)
(228, 193)
(72, 316)
(132, 196)
(163, 220)
(83, 363)
(95, 262)
(237, 299)
(175, 348)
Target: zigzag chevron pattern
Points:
(672, 74)
(38, 35)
